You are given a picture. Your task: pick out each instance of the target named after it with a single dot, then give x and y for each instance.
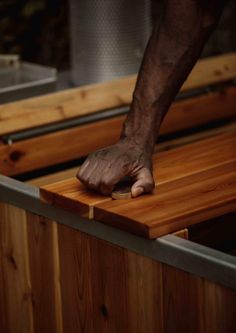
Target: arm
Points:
(172, 51)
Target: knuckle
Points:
(105, 187)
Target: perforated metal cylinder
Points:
(108, 38)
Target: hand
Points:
(103, 169)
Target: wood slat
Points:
(176, 204)
(108, 287)
(144, 294)
(72, 195)
(219, 308)
(168, 167)
(76, 273)
(104, 287)
(16, 308)
(94, 98)
(73, 143)
(160, 147)
(183, 301)
(194, 157)
(43, 263)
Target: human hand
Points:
(103, 169)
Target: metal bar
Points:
(30, 133)
(174, 251)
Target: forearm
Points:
(171, 53)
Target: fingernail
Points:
(137, 191)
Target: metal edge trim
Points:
(177, 252)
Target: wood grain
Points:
(103, 287)
(76, 102)
(183, 299)
(62, 146)
(76, 274)
(194, 157)
(182, 172)
(72, 195)
(15, 291)
(176, 204)
(219, 308)
(108, 287)
(160, 147)
(44, 274)
(145, 294)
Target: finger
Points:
(144, 183)
(82, 169)
(86, 173)
(112, 174)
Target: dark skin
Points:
(172, 51)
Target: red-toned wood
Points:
(195, 182)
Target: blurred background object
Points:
(107, 38)
(20, 79)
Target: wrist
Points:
(142, 138)
(141, 128)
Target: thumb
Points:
(144, 183)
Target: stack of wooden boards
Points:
(46, 150)
(195, 183)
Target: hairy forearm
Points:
(172, 51)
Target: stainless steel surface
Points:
(26, 81)
(174, 251)
(108, 38)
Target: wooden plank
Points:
(183, 300)
(104, 288)
(176, 204)
(62, 146)
(168, 166)
(164, 146)
(219, 308)
(76, 102)
(194, 157)
(72, 195)
(144, 294)
(45, 279)
(15, 290)
(108, 287)
(76, 275)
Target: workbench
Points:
(73, 260)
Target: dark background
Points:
(38, 30)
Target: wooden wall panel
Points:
(182, 301)
(144, 294)
(57, 279)
(43, 247)
(15, 292)
(75, 266)
(219, 309)
(108, 287)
